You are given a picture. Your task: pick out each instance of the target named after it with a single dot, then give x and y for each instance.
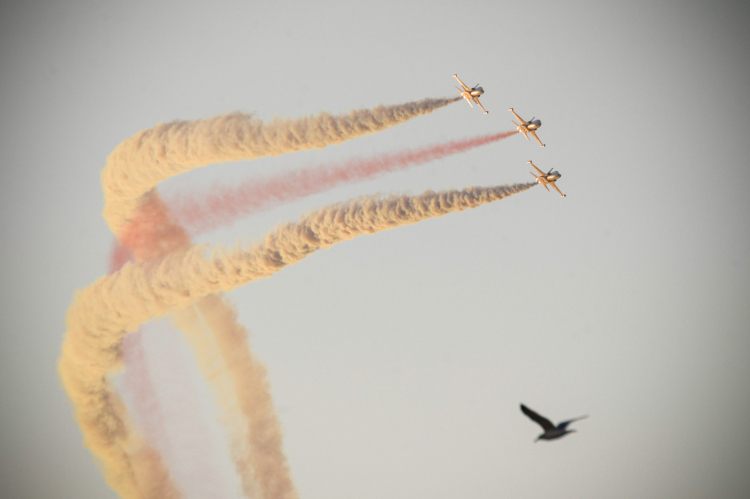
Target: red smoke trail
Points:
(226, 204)
(157, 237)
(138, 382)
(137, 376)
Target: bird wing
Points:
(565, 424)
(541, 420)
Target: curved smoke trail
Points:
(152, 234)
(238, 380)
(118, 303)
(103, 313)
(133, 170)
(151, 156)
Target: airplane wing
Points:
(518, 117)
(532, 132)
(540, 172)
(476, 99)
(563, 195)
(541, 420)
(466, 89)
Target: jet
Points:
(527, 127)
(551, 431)
(471, 94)
(548, 178)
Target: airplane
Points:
(527, 127)
(551, 431)
(548, 178)
(471, 94)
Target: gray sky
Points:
(398, 361)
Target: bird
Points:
(551, 431)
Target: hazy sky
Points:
(398, 361)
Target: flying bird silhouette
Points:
(551, 431)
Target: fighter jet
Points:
(551, 431)
(471, 94)
(527, 127)
(546, 179)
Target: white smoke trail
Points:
(133, 170)
(151, 156)
(93, 341)
(241, 387)
(103, 313)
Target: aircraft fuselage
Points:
(533, 125)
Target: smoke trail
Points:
(158, 286)
(103, 313)
(148, 470)
(213, 367)
(133, 170)
(133, 468)
(160, 235)
(138, 382)
(223, 205)
(117, 303)
(169, 412)
(257, 441)
(154, 233)
(138, 164)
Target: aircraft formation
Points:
(551, 431)
(525, 127)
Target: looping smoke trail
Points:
(92, 347)
(263, 471)
(103, 313)
(138, 164)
